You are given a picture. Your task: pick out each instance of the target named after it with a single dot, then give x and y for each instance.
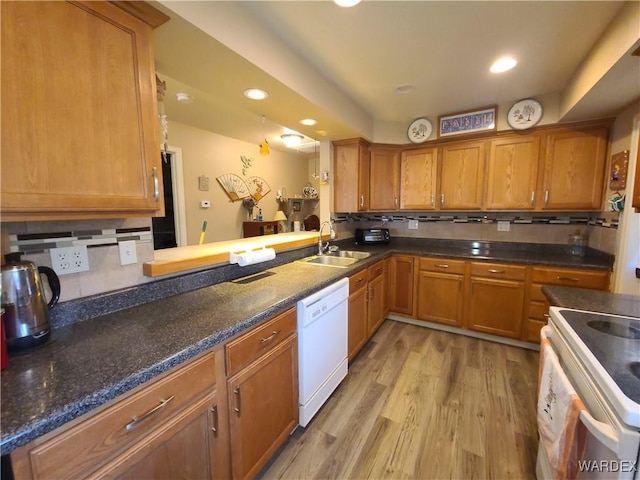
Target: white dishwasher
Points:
(322, 346)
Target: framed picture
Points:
(482, 120)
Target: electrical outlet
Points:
(413, 224)
(504, 226)
(66, 260)
(128, 252)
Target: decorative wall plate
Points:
(524, 114)
(309, 192)
(419, 130)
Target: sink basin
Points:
(330, 261)
(350, 254)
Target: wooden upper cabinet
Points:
(512, 173)
(80, 130)
(462, 175)
(418, 179)
(351, 176)
(574, 169)
(384, 193)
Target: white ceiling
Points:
(342, 66)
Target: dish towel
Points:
(562, 434)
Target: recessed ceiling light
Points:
(502, 65)
(404, 89)
(346, 3)
(255, 94)
(291, 139)
(308, 121)
(184, 97)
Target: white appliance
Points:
(322, 346)
(600, 355)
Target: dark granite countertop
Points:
(593, 300)
(91, 362)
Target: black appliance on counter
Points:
(368, 236)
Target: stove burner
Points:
(635, 369)
(611, 328)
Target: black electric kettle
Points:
(26, 311)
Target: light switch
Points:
(413, 224)
(205, 203)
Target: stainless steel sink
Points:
(330, 261)
(351, 254)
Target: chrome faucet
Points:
(323, 247)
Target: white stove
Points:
(600, 355)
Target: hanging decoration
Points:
(236, 188)
(161, 89)
(264, 145)
(246, 164)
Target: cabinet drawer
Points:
(572, 277)
(357, 281)
(247, 348)
(376, 270)
(85, 447)
(538, 310)
(498, 270)
(536, 293)
(444, 265)
(532, 330)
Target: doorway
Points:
(170, 231)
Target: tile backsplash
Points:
(106, 274)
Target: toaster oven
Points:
(366, 236)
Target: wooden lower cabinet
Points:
(401, 273)
(163, 430)
(184, 448)
(496, 298)
(358, 333)
(537, 306)
(375, 298)
(440, 291)
(263, 407)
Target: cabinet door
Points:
(358, 332)
(375, 308)
(351, 177)
(495, 306)
(574, 169)
(263, 408)
(401, 284)
(440, 297)
(462, 175)
(185, 447)
(418, 175)
(79, 130)
(383, 182)
(635, 202)
(512, 173)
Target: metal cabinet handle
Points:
(136, 420)
(546, 198)
(214, 411)
(156, 184)
(359, 281)
(236, 392)
(546, 316)
(533, 198)
(378, 269)
(362, 200)
(493, 270)
(395, 201)
(432, 200)
(442, 265)
(270, 337)
(442, 200)
(568, 279)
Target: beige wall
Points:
(213, 155)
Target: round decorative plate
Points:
(524, 114)
(310, 192)
(419, 130)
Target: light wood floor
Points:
(422, 404)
